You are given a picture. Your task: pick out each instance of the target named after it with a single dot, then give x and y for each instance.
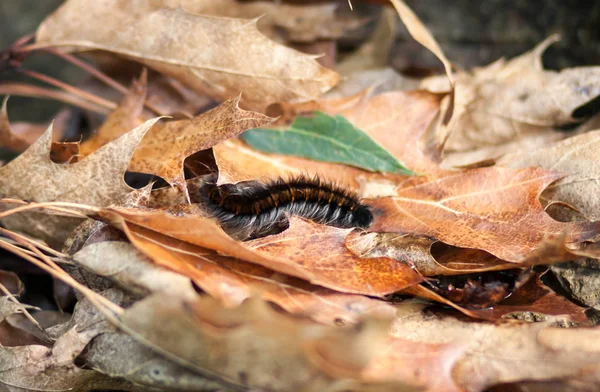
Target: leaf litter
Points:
(448, 290)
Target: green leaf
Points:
(328, 139)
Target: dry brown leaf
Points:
(18, 136)
(422, 35)
(122, 357)
(96, 180)
(367, 67)
(8, 139)
(220, 57)
(91, 231)
(515, 102)
(298, 23)
(165, 147)
(322, 250)
(121, 120)
(41, 368)
(197, 230)
(578, 158)
(425, 364)
(492, 209)
(295, 355)
(397, 120)
(229, 280)
(496, 354)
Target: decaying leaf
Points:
(514, 102)
(8, 139)
(96, 180)
(163, 150)
(493, 209)
(263, 70)
(118, 355)
(576, 157)
(121, 120)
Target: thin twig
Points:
(101, 76)
(23, 309)
(39, 245)
(67, 87)
(53, 206)
(27, 90)
(54, 270)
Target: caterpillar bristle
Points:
(252, 209)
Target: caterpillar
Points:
(252, 209)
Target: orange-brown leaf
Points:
(166, 146)
(232, 281)
(493, 209)
(322, 250)
(121, 120)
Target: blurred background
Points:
(471, 32)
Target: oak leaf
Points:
(388, 275)
(96, 180)
(165, 147)
(512, 104)
(492, 209)
(220, 57)
(576, 157)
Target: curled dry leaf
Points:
(8, 139)
(165, 147)
(578, 158)
(121, 120)
(514, 104)
(367, 68)
(265, 71)
(96, 180)
(295, 354)
(493, 209)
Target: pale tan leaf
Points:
(217, 56)
(96, 180)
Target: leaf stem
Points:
(27, 90)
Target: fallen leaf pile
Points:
(479, 272)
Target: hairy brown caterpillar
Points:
(252, 209)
